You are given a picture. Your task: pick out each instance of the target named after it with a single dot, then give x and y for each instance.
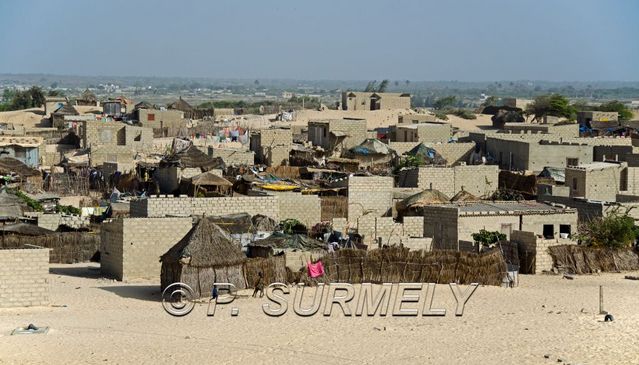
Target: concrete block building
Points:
(563, 129)
(534, 155)
(156, 118)
(479, 180)
(451, 225)
(429, 132)
(272, 146)
(354, 100)
(533, 251)
(369, 196)
(25, 149)
(337, 134)
(114, 142)
(24, 277)
(130, 248)
(597, 180)
(416, 118)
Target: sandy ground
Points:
(114, 322)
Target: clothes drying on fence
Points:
(315, 270)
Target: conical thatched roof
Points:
(426, 197)
(464, 196)
(181, 105)
(206, 245)
(144, 105)
(88, 95)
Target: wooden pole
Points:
(601, 310)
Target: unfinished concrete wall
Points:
(369, 195)
(186, 206)
(233, 157)
(478, 180)
(131, 247)
(24, 277)
(305, 208)
(440, 224)
(533, 251)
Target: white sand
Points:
(113, 322)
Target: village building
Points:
(355, 100)
(587, 117)
(530, 154)
(206, 255)
(416, 118)
(58, 116)
(428, 132)
(597, 180)
(114, 108)
(337, 135)
(23, 149)
(272, 147)
(451, 225)
(53, 103)
(114, 142)
(158, 118)
(186, 161)
(561, 129)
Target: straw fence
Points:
(587, 260)
(66, 247)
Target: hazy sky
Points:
(576, 40)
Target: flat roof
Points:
(505, 208)
(598, 165)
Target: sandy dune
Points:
(114, 322)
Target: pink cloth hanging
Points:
(315, 269)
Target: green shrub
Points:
(616, 230)
(488, 238)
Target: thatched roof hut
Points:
(282, 242)
(422, 199)
(207, 184)
(204, 256)
(87, 98)
(10, 165)
(192, 157)
(180, 105)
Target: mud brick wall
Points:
(185, 206)
(23, 277)
(372, 195)
(131, 247)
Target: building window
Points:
(549, 231)
(564, 229)
(623, 180)
(150, 117)
(572, 161)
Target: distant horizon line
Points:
(321, 80)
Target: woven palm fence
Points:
(396, 265)
(588, 260)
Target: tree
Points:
(370, 87)
(382, 86)
(616, 106)
(487, 238)
(37, 97)
(490, 101)
(445, 102)
(615, 230)
(553, 105)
